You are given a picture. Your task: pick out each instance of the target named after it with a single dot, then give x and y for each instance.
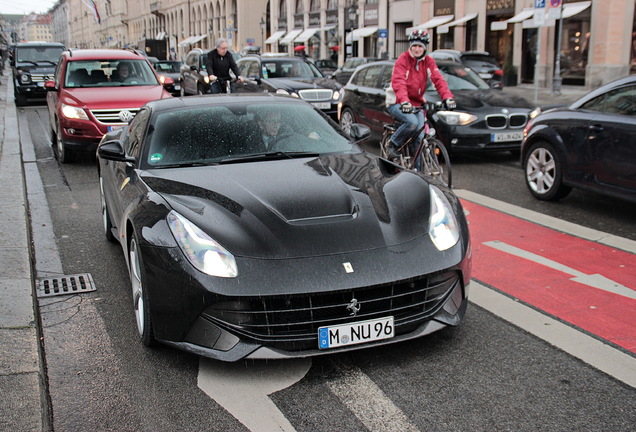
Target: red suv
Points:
(94, 92)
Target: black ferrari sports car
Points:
(253, 227)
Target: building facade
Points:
(596, 39)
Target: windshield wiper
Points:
(186, 165)
(269, 155)
(28, 61)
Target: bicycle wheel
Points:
(436, 161)
(384, 144)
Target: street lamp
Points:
(352, 14)
(262, 24)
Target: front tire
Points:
(108, 226)
(141, 306)
(544, 172)
(347, 118)
(64, 155)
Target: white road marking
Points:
(592, 351)
(242, 388)
(594, 280)
(367, 401)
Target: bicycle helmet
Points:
(419, 37)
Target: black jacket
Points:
(220, 66)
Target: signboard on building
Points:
(371, 15)
(444, 7)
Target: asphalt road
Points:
(486, 375)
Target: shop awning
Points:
(198, 38)
(521, 16)
(358, 33)
(432, 23)
(187, 41)
(289, 37)
(571, 9)
(274, 37)
(329, 27)
(306, 35)
(445, 27)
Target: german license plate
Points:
(322, 105)
(177, 87)
(355, 333)
(506, 136)
(112, 128)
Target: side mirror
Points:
(113, 150)
(193, 67)
(359, 131)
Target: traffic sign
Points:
(555, 3)
(539, 4)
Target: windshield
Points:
(168, 66)
(290, 68)
(460, 78)
(38, 54)
(222, 134)
(109, 73)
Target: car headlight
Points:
(282, 92)
(25, 78)
(443, 227)
(202, 251)
(206, 79)
(72, 112)
(457, 118)
(336, 95)
(535, 112)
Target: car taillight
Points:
(498, 72)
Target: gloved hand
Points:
(406, 107)
(450, 104)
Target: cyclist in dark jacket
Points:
(218, 64)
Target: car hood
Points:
(468, 100)
(304, 83)
(113, 97)
(300, 207)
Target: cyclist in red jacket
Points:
(408, 84)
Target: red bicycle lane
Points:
(587, 284)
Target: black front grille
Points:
(497, 121)
(298, 317)
(501, 121)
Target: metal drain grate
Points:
(71, 284)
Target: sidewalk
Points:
(21, 380)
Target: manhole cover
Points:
(70, 284)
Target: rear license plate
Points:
(485, 75)
(322, 105)
(355, 333)
(506, 136)
(177, 87)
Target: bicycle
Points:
(434, 158)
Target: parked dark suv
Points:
(33, 63)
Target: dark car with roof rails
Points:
(485, 119)
(32, 64)
(292, 76)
